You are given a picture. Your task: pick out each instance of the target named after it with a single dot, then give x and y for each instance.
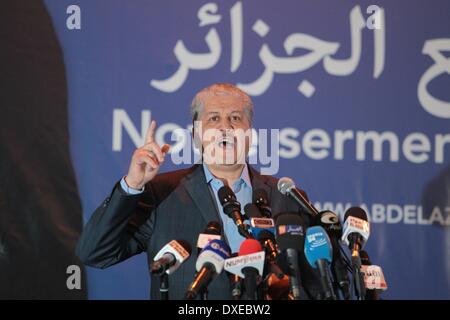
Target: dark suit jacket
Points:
(175, 205)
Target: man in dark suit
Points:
(147, 210)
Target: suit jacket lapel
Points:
(200, 193)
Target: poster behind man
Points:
(358, 91)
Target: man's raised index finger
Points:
(150, 132)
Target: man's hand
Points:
(146, 160)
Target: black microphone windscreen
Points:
(213, 227)
(226, 195)
(327, 217)
(356, 212)
(265, 235)
(185, 245)
(252, 211)
(260, 197)
(290, 229)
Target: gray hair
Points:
(221, 89)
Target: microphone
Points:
(263, 229)
(373, 277)
(232, 208)
(252, 211)
(170, 257)
(355, 234)
(277, 289)
(267, 239)
(236, 282)
(287, 187)
(212, 231)
(318, 255)
(248, 265)
(209, 265)
(257, 222)
(258, 225)
(356, 229)
(330, 222)
(167, 260)
(290, 239)
(261, 199)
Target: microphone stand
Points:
(236, 287)
(204, 294)
(164, 286)
(358, 276)
(371, 294)
(294, 277)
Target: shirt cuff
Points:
(129, 190)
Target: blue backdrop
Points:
(360, 95)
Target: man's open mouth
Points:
(226, 142)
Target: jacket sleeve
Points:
(118, 229)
